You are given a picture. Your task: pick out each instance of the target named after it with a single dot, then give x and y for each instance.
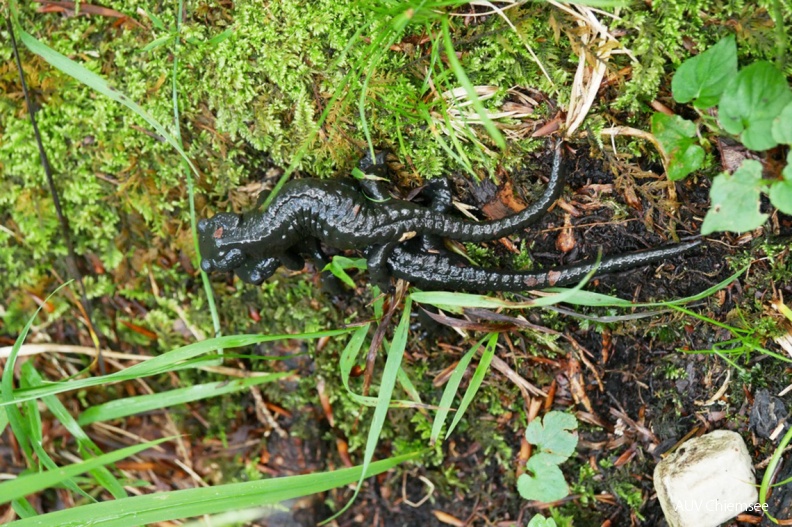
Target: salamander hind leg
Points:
(439, 193)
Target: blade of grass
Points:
(166, 506)
(455, 301)
(775, 459)
(389, 375)
(475, 381)
(36, 437)
(13, 414)
(157, 401)
(451, 389)
(32, 483)
(347, 362)
(453, 62)
(188, 175)
(162, 363)
(102, 475)
(100, 85)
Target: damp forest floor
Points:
(251, 81)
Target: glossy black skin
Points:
(448, 272)
(400, 239)
(338, 214)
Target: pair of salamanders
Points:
(400, 239)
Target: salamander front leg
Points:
(256, 271)
(439, 193)
(379, 272)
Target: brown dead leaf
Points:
(68, 8)
(565, 241)
(444, 517)
(139, 329)
(504, 204)
(577, 384)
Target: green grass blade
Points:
(102, 475)
(453, 61)
(166, 506)
(12, 413)
(389, 376)
(32, 483)
(408, 386)
(450, 391)
(475, 382)
(453, 302)
(163, 363)
(146, 403)
(347, 362)
(99, 84)
(23, 508)
(3, 421)
(770, 471)
(590, 299)
(35, 435)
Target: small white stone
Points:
(707, 481)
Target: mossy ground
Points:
(250, 101)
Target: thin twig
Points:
(71, 259)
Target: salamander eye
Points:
(204, 225)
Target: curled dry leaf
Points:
(565, 241)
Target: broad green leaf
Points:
(543, 480)
(701, 79)
(735, 200)
(782, 126)
(750, 103)
(677, 136)
(551, 435)
(781, 191)
(541, 521)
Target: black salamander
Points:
(401, 239)
(338, 214)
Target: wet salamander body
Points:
(401, 239)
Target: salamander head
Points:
(210, 233)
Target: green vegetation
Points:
(543, 480)
(169, 112)
(754, 104)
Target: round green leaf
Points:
(701, 78)
(551, 436)
(543, 480)
(677, 136)
(782, 126)
(750, 103)
(781, 191)
(735, 201)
